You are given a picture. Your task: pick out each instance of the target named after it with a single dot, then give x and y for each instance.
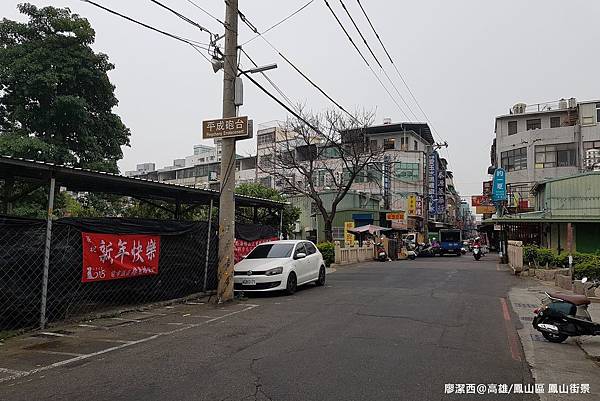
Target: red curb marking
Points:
(512, 339)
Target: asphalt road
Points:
(376, 331)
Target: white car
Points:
(280, 265)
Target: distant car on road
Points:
(280, 265)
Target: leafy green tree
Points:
(56, 99)
(290, 213)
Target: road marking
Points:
(43, 351)
(87, 325)
(154, 313)
(12, 371)
(512, 339)
(47, 333)
(108, 340)
(20, 374)
(194, 303)
(125, 320)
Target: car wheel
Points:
(321, 280)
(292, 284)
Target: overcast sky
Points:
(465, 61)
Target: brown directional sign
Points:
(225, 128)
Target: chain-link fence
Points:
(187, 264)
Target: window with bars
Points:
(265, 139)
(554, 122)
(337, 233)
(407, 171)
(512, 127)
(535, 123)
(559, 155)
(513, 160)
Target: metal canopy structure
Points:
(82, 180)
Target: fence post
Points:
(207, 245)
(47, 252)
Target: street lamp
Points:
(259, 69)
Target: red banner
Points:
(243, 248)
(117, 256)
(480, 200)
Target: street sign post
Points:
(499, 185)
(225, 128)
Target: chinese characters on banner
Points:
(441, 189)
(412, 205)
(243, 248)
(348, 236)
(117, 256)
(432, 184)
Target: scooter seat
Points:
(574, 299)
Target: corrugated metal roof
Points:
(85, 180)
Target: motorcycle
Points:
(381, 254)
(562, 316)
(477, 252)
(463, 250)
(412, 251)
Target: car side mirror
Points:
(300, 255)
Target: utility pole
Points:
(227, 200)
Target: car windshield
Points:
(269, 251)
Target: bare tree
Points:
(331, 147)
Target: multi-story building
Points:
(200, 170)
(542, 141)
(397, 178)
(141, 169)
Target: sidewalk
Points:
(573, 362)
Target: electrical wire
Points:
(206, 12)
(278, 23)
(397, 70)
(195, 44)
(377, 60)
(183, 17)
(288, 61)
(275, 86)
(365, 60)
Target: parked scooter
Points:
(477, 252)
(562, 316)
(381, 253)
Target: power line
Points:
(377, 60)
(289, 110)
(364, 59)
(278, 23)
(255, 30)
(397, 70)
(183, 17)
(275, 86)
(195, 44)
(206, 12)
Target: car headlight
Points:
(272, 272)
